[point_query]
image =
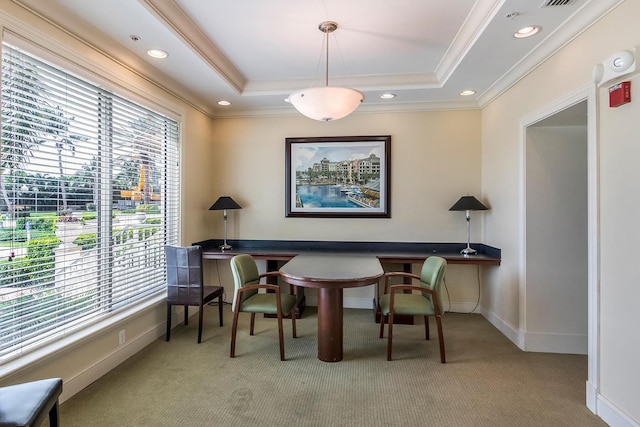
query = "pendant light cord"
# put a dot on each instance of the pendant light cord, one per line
(327, 27)
(326, 79)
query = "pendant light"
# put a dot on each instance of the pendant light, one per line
(326, 103)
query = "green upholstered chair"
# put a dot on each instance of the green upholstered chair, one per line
(424, 299)
(185, 284)
(248, 299)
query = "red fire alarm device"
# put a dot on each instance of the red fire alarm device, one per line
(619, 94)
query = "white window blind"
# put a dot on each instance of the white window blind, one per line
(89, 196)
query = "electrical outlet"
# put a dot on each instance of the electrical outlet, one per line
(121, 337)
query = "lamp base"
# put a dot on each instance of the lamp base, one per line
(225, 247)
(468, 251)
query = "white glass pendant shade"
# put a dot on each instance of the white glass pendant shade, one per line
(326, 103)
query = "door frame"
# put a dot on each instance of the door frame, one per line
(586, 93)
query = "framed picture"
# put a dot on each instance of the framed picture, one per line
(338, 177)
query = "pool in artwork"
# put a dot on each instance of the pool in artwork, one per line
(323, 196)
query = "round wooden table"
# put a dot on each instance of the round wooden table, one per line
(330, 274)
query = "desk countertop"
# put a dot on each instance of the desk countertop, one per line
(391, 252)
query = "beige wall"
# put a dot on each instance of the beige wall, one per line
(198, 177)
(564, 73)
(434, 160)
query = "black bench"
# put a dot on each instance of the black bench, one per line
(28, 404)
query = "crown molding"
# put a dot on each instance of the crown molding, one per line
(21, 25)
(477, 21)
(363, 109)
(570, 29)
(182, 26)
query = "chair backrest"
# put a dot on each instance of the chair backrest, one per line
(245, 272)
(432, 276)
(184, 274)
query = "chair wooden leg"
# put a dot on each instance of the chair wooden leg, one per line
(234, 328)
(382, 320)
(389, 343)
(200, 314)
(253, 322)
(168, 335)
(186, 315)
(440, 339)
(281, 335)
(293, 323)
(220, 309)
(426, 327)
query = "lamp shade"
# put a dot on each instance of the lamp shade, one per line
(224, 202)
(326, 103)
(468, 203)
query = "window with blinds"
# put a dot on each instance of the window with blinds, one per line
(89, 196)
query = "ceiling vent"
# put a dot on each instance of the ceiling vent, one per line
(551, 3)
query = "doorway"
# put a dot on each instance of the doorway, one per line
(556, 232)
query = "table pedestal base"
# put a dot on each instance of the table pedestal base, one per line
(330, 308)
(330, 274)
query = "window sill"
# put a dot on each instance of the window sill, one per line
(59, 347)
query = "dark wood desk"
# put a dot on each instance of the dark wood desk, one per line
(330, 274)
(405, 253)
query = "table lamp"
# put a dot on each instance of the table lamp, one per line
(222, 204)
(468, 204)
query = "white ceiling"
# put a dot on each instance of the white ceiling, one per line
(254, 53)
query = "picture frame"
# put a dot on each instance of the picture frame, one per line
(338, 177)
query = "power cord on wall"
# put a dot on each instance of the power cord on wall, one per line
(449, 297)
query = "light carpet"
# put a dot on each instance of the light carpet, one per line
(487, 380)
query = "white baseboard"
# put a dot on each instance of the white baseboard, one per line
(612, 415)
(556, 343)
(512, 334)
(599, 405)
(349, 302)
(108, 362)
(592, 397)
(367, 303)
(463, 307)
(540, 342)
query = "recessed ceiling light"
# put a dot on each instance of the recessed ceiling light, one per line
(223, 102)
(527, 31)
(388, 95)
(467, 92)
(157, 53)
